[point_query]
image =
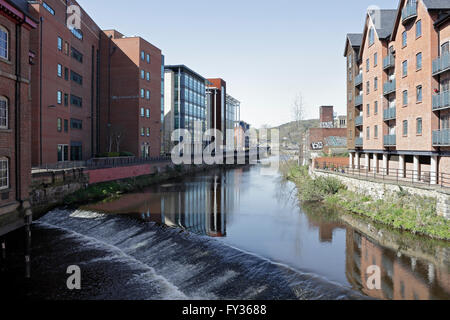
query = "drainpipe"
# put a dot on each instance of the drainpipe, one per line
(17, 115)
(40, 89)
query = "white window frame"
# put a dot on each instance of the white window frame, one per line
(2, 98)
(2, 28)
(7, 172)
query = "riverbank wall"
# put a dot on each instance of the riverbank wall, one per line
(379, 190)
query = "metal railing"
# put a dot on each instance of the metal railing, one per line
(358, 100)
(390, 140)
(441, 64)
(390, 113)
(408, 12)
(359, 121)
(441, 100)
(389, 87)
(399, 176)
(441, 137)
(389, 61)
(358, 79)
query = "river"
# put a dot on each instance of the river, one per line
(225, 234)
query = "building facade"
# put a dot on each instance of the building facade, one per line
(131, 86)
(15, 113)
(400, 101)
(184, 103)
(65, 81)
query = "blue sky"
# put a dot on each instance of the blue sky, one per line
(267, 51)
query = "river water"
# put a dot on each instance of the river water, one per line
(226, 234)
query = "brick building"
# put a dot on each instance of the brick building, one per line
(65, 84)
(131, 95)
(399, 105)
(216, 93)
(15, 113)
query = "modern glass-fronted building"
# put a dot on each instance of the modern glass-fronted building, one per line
(184, 102)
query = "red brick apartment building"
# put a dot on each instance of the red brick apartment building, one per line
(15, 112)
(130, 112)
(65, 84)
(398, 91)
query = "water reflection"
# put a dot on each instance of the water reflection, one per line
(261, 215)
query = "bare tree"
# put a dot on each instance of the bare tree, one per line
(298, 113)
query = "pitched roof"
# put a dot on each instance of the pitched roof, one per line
(355, 40)
(386, 24)
(437, 4)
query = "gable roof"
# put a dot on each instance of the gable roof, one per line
(384, 26)
(355, 40)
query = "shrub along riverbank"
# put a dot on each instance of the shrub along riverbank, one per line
(400, 210)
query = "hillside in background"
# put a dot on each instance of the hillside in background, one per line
(290, 131)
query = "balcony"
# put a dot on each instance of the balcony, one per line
(389, 87)
(441, 64)
(359, 142)
(359, 121)
(409, 12)
(358, 100)
(358, 79)
(389, 114)
(388, 62)
(390, 140)
(441, 138)
(441, 101)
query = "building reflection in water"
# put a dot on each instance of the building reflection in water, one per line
(402, 277)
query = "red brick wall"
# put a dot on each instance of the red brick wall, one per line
(337, 162)
(319, 135)
(110, 174)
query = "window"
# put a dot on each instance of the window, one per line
(142, 74)
(148, 132)
(404, 39)
(375, 84)
(63, 152)
(375, 133)
(368, 87)
(375, 107)
(4, 122)
(367, 65)
(419, 125)
(371, 36)
(419, 61)
(76, 124)
(147, 113)
(77, 33)
(48, 8)
(445, 48)
(4, 173)
(77, 55)
(349, 60)
(368, 110)
(405, 127)
(142, 55)
(350, 96)
(59, 97)
(405, 97)
(66, 125)
(375, 59)
(419, 94)
(76, 101)
(76, 77)
(147, 95)
(148, 58)
(142, 93)
(148, 76)
(405, 68)
(142, 132)
(66, 99)
(59, 72)
(66, 48)
(368, 133)
(76, 151)
(60, 44)
(142, 112)
(59, 124)
(66, 74)
(4, 43)
(418, 28)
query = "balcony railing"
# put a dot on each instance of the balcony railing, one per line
(359, 142)
(389, 87)
(390, 114)
(389, 62)
(441, 101)
(390, 140)
(358, 100)
(409, 12)
(359, 121)
(358, 79)
(441, 137)
(441, 64)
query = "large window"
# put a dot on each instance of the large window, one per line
(77, 55)
(418, 28)
(76, 101)
(77, 78)
(63, 152)
(4, 173)
(76, 124)
(4, 113)
(4, 43)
